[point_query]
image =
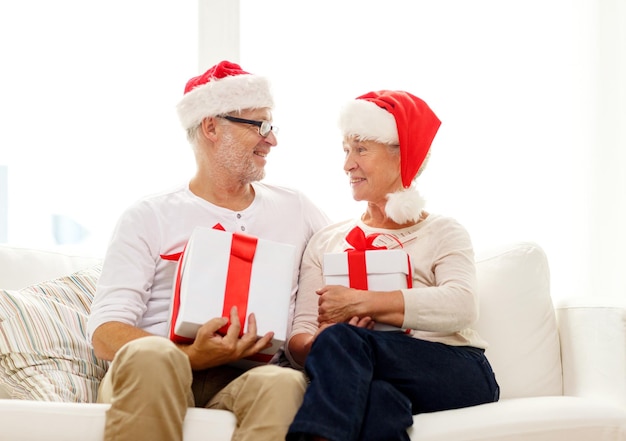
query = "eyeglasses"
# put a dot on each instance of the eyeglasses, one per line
(265, 127)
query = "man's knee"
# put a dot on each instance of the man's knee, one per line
(150, 352)
(148, 367)
(281, 386)
(276, 378)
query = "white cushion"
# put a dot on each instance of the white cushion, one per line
(518, 321)
(524, 419)
(85, 422)
(20, 267)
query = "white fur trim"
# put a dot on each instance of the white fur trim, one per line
(404, 205)
(367, 121)
(228, 94)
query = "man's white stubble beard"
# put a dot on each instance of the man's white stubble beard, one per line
(232, 158)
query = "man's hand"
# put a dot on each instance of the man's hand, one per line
(211, 349)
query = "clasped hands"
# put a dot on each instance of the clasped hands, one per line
(336, 304)
(339, 304)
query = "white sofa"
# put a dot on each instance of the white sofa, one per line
(562, 370)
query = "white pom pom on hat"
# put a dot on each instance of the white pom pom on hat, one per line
(395, 117)
(223, 88)
(404, 205)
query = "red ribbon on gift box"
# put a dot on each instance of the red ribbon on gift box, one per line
(242, 252)
(357, 267)
(176, 301)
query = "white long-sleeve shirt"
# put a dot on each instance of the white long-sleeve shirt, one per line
(442, 304)
(136, 283)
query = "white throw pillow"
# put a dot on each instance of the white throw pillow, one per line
(518, 320)
(44, 351)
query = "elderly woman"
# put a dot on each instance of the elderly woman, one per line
(366, 383)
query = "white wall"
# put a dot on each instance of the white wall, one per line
(606, 151)
(532, 141)
(531, 95)
(88, 93)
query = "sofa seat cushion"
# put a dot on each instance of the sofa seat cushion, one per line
(525, 419)
(85, 422)
(44, 351)
(519, 419)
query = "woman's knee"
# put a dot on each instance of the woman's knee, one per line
(340, 335)
(337, 332)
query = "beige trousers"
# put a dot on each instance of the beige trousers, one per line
(150, 385)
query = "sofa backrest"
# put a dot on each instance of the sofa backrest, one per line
(518, 320)
(21, 267)
(517, 317)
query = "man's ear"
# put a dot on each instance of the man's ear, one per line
(208, 128)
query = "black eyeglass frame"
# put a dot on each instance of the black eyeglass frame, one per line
(265, 127)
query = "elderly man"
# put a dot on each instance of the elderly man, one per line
(227, 114)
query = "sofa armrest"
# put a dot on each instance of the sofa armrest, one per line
(593, 348)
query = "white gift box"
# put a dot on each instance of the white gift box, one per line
(387, 270)
(201, 291)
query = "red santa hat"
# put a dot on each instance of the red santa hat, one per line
(222, 89)
(395, 117)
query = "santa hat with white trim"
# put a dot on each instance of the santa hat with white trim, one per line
(395, 117)
(222, 89)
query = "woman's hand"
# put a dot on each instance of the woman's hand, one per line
(365, 322)
(338, 304)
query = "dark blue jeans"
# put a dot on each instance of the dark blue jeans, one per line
(366, 385)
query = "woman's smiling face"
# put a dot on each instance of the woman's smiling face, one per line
(373, 169)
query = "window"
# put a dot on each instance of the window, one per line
(88, 93)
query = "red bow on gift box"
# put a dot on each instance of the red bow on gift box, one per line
(243, 248)
(357, 267)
